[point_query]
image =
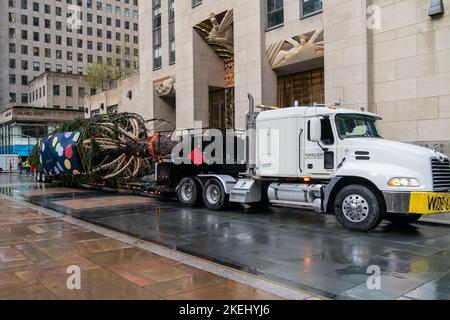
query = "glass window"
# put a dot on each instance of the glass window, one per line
(157, 52)
(275, 13)
(310, 7)
(56, 90)
(356, 126)
(306, 88)
(171, 31)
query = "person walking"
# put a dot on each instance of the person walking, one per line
(27, 167)
(10, 166)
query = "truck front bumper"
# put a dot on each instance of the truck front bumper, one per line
(417, 202)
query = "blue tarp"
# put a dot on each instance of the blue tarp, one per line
(58, 154)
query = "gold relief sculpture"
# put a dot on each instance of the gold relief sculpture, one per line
(217, 31)
(166, 87)
(229, 73)
(222, 34)
(297, 49)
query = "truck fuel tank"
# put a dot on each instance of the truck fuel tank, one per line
(296, 194)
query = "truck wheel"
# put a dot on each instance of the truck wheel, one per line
(403, 219)
(358, 208)
(188, 192)
(214, 196)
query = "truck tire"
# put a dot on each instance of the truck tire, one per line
(214, 195)
(403, 219)
(358, 208)
(188, 192)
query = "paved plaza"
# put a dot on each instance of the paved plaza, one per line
(299, 250)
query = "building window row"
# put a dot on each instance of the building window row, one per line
(58, 39)
(89, 30)
(172, 57)
(36, 6)
(58, 54)
(275, 11)
(36, 21)
(157, 37)
(157, 52)
(80, 44)
(37, 68)
(13, 79)
(68, 90)
(13, 98)
(37, 94)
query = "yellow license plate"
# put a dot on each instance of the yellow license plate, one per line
(429, 203)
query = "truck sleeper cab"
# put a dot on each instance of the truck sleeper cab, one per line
(329, 160)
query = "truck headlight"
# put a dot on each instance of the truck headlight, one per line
(404, 182)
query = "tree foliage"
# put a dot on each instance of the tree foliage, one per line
(101, 75)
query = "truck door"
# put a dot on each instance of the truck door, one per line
(320, 158)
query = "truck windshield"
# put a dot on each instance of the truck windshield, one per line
(356, 126)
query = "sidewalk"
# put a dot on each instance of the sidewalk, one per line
(36, 250)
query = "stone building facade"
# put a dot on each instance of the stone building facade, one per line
(58, 91)
(385, 56)
(62, 36)
(124, 96)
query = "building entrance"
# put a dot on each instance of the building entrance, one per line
(221, 108)
(305, 87)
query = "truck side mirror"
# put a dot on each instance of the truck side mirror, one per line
(315, 130)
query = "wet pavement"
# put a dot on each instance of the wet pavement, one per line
(299, 249)
(36, 250)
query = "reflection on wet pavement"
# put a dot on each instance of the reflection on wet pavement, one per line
(299, 249)
(36, 251)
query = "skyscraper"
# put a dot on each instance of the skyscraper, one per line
(62, 36)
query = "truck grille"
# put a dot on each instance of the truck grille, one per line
(441, 174)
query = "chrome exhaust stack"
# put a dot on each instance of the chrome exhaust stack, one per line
(251, 136)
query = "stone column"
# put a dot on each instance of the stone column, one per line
(4, 61)
(145, 60)
(348, 54)
(252, 71)
(197, 68)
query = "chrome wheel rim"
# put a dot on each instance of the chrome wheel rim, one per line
(355, 208)
(186, 192)
(213, 194)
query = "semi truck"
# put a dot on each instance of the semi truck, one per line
(322, 158)
(326, 159)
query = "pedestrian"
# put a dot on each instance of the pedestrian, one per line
(10, 166)
(27, 167)
(20, 168)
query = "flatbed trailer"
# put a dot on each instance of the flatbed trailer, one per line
(322, 158)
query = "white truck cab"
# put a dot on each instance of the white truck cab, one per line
(334, 160)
